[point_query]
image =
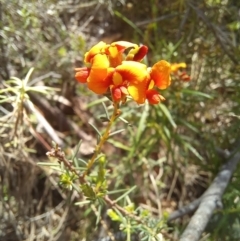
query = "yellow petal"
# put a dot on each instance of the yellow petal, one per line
(98, 87)
(115, 57)
(117, 78)
(96, 49)
(113, 51)
(160, 73)
(138, 92)
(100, 61)
(132, 71)
(151, 85)
(98, 80)
(175, 67)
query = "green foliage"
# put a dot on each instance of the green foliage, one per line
(66, 180)
(157, 158)
(88, 191)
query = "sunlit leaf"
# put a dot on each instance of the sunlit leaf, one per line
(166, 112)
(196, 93)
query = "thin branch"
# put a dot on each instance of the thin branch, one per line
(59, 154)
(211, 200)
(113, 204)
(138, 219)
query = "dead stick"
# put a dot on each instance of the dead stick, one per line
(191, 207)
(210, 200)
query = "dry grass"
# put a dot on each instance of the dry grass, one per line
(170, 166)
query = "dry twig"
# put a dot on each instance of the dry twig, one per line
(210, 200)
(191, 207)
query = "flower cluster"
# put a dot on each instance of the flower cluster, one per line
(176, 69)
(110, 68)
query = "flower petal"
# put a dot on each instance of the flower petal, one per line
(115, 57)
(117, 78)
(96, 49)
(132, 71)
(99, 78)
(138, 92)
(98, 87)
(82, 74)
(116, 93)
(100, 61)
(175, 67)
(115, 51)
(154, 97)
(124, 90)
(122, 45)
(160, 73)
(112, 51)
(151, 85)
(137, 54)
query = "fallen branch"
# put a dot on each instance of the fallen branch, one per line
(191, 207)
(41, 119)
(211, 200)
(53, 113)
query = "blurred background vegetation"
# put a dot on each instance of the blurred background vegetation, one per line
(168, 151)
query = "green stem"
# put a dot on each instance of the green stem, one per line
(103, 139)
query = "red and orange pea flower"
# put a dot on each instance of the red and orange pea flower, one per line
(109, 69)
(176, 69)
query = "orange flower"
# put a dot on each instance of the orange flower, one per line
(160, 74)
(108, 69)
(176, 66)
(116, 49)
(96, 49)
(99, 78)
(137, 78)
(176, 70)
